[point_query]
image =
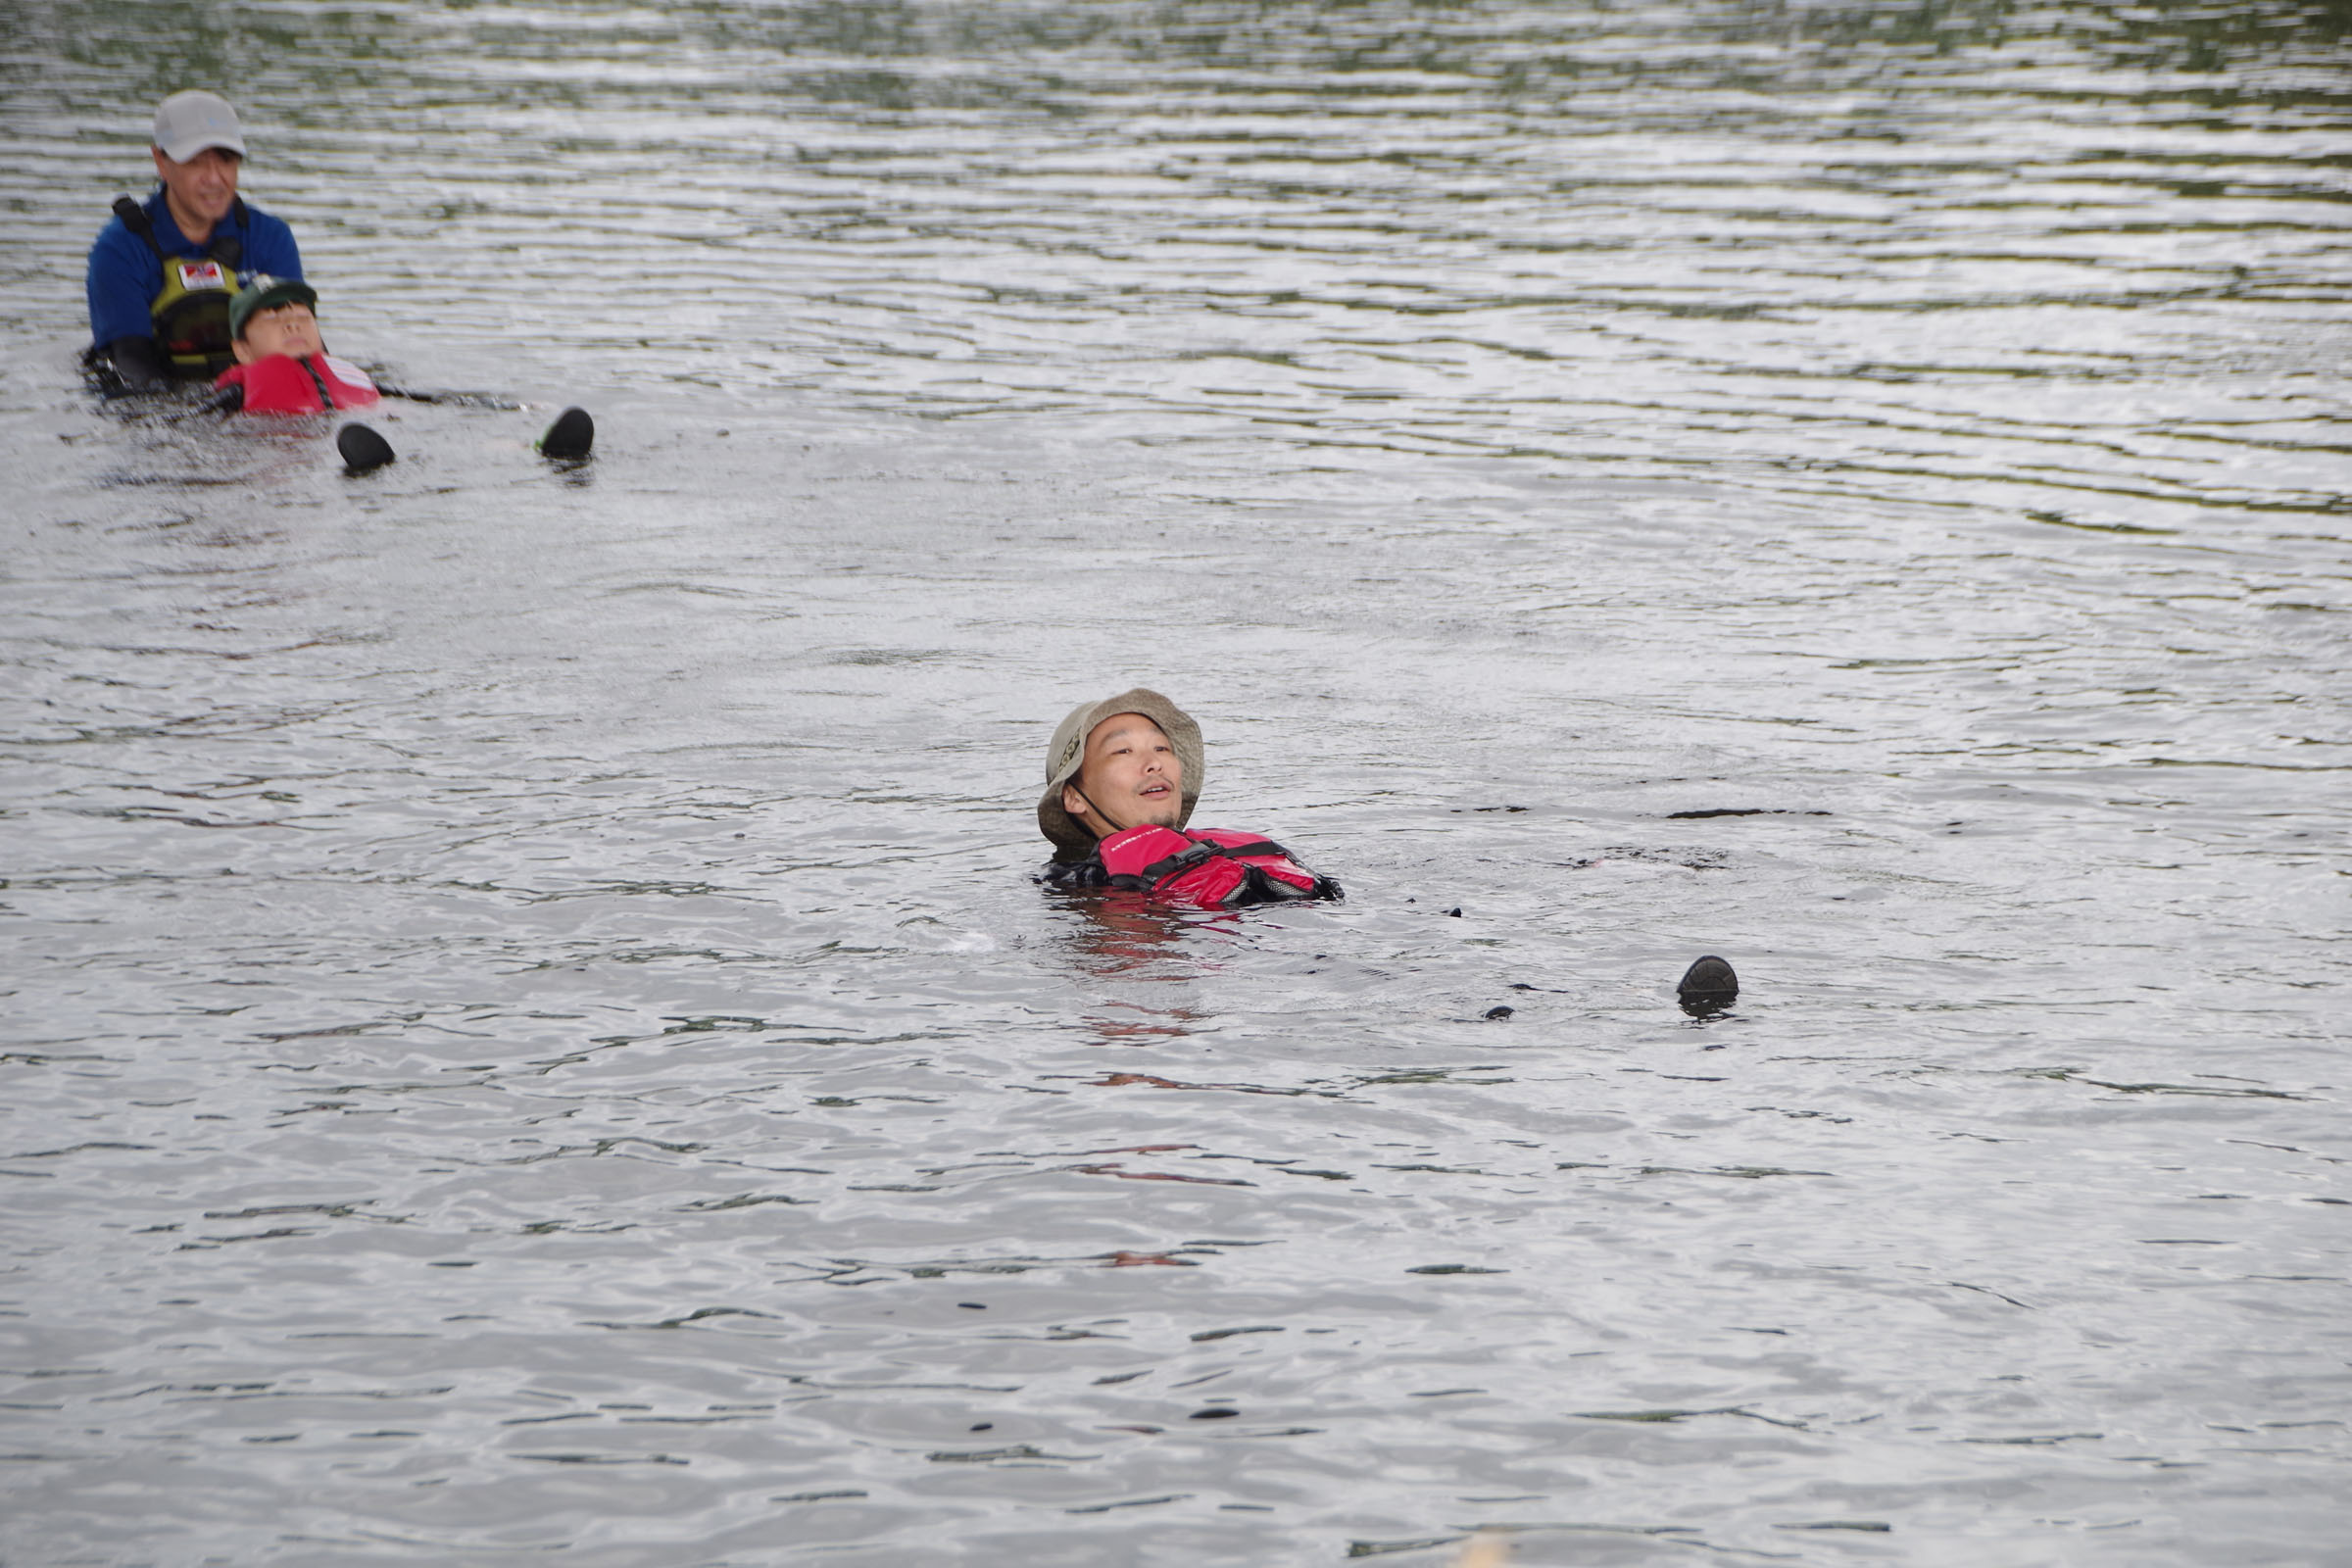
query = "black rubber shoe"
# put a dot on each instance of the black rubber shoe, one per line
(571, 438)
(1707, 986)
(362, 450)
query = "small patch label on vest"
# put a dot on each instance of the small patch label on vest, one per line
(194, 275)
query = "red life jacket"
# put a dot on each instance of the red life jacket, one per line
(1212, 868)
(284, 384)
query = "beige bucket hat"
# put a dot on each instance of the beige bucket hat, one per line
(1070, 838)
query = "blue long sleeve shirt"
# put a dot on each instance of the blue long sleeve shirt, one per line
(126, 276)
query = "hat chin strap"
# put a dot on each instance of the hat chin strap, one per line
(1094, 812)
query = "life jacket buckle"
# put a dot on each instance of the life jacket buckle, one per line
(1179, 863)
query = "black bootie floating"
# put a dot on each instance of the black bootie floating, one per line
(1707, 986)
(363, 451)
(571, 438)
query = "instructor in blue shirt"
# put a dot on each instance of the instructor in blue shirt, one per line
(163, 272)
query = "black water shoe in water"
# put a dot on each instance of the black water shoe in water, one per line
(571, 437)
(363, 451)
(1707, 986)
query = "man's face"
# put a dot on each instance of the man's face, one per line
(1131, 776)
(200, 190)
(288, 328)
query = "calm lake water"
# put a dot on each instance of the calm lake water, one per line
(529, 1034)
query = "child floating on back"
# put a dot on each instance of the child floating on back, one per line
(283, 367)
(283, 364)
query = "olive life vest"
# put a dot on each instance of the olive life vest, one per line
(1212, 868)
(191, 313)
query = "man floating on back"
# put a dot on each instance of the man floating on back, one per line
(1122, 775)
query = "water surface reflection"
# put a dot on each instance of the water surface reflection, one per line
(522, 980)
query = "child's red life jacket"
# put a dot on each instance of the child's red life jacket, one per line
(284, 384)
(1212, 868)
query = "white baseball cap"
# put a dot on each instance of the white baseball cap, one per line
(188, 122)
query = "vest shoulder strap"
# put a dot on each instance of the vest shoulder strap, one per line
(134, 217)
(226, 248)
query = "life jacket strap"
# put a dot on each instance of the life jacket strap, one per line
(226, 249)
(1203, 850)
(326, 399)
(134, 217)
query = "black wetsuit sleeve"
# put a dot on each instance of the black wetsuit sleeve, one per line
(1086, 873)
(135, 363)
(1265, 888)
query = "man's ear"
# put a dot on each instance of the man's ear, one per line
(159, 161)
(1072, 802)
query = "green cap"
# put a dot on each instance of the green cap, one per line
(263, 292)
